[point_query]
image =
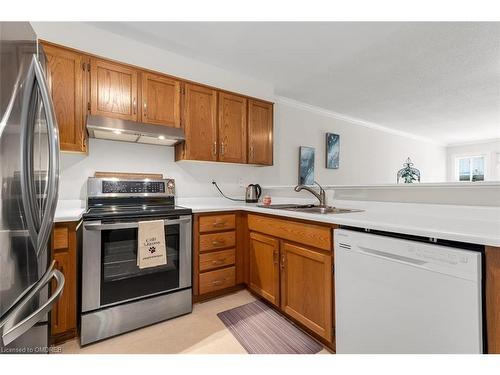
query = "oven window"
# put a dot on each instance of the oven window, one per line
(122, 280)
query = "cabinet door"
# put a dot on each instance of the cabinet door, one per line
(161, 100)
(200, 123)
(113, 90)
(260, 132)
(63, 315)
(264, 267)
(306, 288)
(232, 128)
(67, 78)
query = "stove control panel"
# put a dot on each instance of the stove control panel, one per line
(106, 187)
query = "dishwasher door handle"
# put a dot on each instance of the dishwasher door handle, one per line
(390, 256)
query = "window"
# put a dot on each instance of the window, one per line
(469, 168)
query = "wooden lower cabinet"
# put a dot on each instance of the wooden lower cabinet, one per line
(264, 272)
(63, 316)
(492, 255)
(217, 254)
(306, 287)
(296, 278)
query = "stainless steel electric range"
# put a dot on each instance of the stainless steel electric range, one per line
(118, 296)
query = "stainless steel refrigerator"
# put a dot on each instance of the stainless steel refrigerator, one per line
(29, 177)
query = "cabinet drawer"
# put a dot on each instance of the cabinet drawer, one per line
(217, 259)
(214, 223)
(215, 280)
(217, 240)
(309, 234)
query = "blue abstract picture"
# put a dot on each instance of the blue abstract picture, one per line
(306, 165)
(332, 150)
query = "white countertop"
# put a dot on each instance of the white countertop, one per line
(472, 224)
(69, 210)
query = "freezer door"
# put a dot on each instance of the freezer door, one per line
(29, 150)
(20, 268)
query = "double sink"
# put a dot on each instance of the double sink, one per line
(310, 208)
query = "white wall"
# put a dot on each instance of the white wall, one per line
(368, 156)
(193, 179)
(491, 151)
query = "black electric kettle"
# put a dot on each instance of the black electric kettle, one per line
(254, 191)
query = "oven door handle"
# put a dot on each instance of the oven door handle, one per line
(96, 225)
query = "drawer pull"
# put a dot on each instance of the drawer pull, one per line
(218, 243)
(220, 223)
(217, 282)
(218, 261)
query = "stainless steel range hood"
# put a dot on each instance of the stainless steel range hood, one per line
(101, 127)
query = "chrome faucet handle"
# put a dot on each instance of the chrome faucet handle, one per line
(320, 187)
(322, 193)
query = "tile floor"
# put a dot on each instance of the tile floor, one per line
(200, 332)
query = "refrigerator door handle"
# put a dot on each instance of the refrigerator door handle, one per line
(53, 172)
(10, 333)
(26, 176)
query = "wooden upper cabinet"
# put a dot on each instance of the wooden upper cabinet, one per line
(264, 271)
(260, 132)
(113, 90)
(306, 288)
(232, 128)
(67, 78)
(161, 98)
(200, 124)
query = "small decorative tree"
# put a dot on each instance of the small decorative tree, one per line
(408, 174)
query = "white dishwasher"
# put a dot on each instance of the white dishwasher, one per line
(402, 296)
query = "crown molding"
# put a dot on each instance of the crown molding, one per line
(353, 120)
(476, 142)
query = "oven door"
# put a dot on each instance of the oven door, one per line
(109, 263)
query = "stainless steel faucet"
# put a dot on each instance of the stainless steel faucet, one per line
(321, 195)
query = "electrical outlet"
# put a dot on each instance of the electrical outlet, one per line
(240, 182)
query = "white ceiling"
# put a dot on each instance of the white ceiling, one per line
(436, 80)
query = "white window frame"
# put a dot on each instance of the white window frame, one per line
(457, 159)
